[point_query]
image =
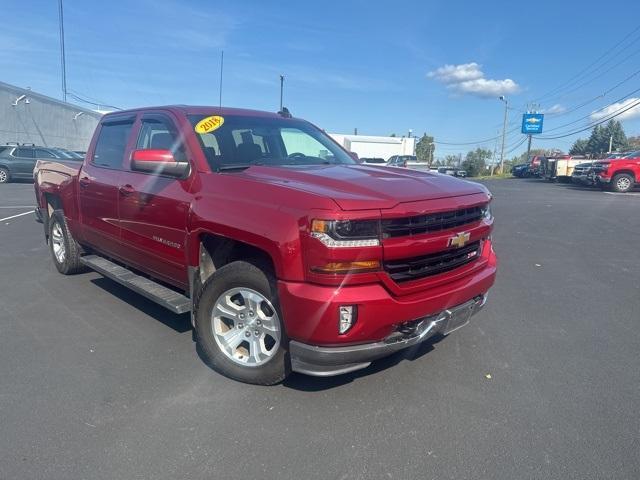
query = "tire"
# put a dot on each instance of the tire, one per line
(5, 175)
(65, 251)
(251, 350)
(622, 183)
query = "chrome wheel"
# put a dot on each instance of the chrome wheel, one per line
(246, 327)
(57, 242)
(623, 183)
(3, 175)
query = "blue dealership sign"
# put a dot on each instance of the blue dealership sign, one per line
(532, 123)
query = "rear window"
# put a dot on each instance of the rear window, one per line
(111, 144)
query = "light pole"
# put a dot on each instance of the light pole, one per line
(432, 147)
(504, 130)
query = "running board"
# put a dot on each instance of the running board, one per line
(169, 299)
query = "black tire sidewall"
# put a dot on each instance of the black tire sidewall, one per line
(240, 274)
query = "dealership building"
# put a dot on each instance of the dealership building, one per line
(30, 117)
(367, 146)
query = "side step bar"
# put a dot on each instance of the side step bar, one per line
(169, 299)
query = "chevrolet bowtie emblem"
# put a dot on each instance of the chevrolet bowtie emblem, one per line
(459, 240)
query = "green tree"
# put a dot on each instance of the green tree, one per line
(476, 161)
(579, 147)
(633, 143)
(615, 132)
(425, 149)
(598, 142)
(450, 160)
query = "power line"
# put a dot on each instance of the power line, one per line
(588, 67)
(603, 120)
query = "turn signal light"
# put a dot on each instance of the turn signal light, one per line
(348, 267)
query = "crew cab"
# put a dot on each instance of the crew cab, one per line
(288, 253)
(618, 174)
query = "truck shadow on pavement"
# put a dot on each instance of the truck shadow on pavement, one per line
(179, 323)
(308, 383)
(295, 381)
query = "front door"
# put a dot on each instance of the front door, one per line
(99, 180)
(154, 208)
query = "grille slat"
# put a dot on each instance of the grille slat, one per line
(432, 264)
(433, 222)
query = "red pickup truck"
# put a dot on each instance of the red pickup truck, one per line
(289, 254)
(619, 174)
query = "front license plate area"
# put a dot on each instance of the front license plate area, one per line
(458, 317)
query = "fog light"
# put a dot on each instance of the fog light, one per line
(346, 318)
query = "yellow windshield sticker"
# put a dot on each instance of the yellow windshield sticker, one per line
(209, 124)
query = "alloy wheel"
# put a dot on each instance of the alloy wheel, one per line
(246, 327)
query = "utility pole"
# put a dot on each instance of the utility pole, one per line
(504, 131)
(610, 143)
(63, 62)
(528, 149)
(281, 89)
(493, 157)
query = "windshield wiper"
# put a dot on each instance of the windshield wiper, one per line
(239, 166)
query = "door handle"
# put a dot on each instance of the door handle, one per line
(126, 189)
(84, 182)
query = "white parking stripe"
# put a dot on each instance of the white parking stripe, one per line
(628, 194)
(18, 206)
(16, 216)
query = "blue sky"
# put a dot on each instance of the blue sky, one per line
(382, 67)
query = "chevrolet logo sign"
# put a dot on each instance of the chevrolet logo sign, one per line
(533, 120)
(459, 240)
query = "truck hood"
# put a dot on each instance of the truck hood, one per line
(362, 187)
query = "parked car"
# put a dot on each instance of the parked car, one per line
(582, 174)
(559, 167)
(535, 165)
(401, 160)
(521, 170)
(618, 174)
(17, 161)
(373, 160)
(285, 261)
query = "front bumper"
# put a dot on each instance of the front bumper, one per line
(602, 180)
(329, 361)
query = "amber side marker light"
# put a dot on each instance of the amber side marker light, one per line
(348, 267)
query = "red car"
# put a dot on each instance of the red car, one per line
(618, 174)
(288, 253)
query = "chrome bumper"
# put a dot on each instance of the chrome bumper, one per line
(330, 361)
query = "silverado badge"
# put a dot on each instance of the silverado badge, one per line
(459, 240)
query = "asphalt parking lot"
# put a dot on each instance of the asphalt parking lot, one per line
(97, 382)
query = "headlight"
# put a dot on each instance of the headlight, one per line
(486, 212)
(347, 233)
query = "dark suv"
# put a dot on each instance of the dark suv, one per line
(18, 161)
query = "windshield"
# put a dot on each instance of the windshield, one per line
(243, 141)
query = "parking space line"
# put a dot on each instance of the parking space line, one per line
(628, 194)
(16, 216)
(18, 206)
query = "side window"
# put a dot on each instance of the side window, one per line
(40, 153)
(23, 152)
(296, 141)
(111, 144)
(160, 134)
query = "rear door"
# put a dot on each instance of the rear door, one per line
(99, 180)
(23, 162)
(154, 208)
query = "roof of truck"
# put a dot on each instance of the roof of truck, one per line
(195, 109)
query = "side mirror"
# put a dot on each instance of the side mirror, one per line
(354, 155)
(160, 162)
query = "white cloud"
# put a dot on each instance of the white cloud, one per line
(614, 108)
(469, 78)
(554, 109)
